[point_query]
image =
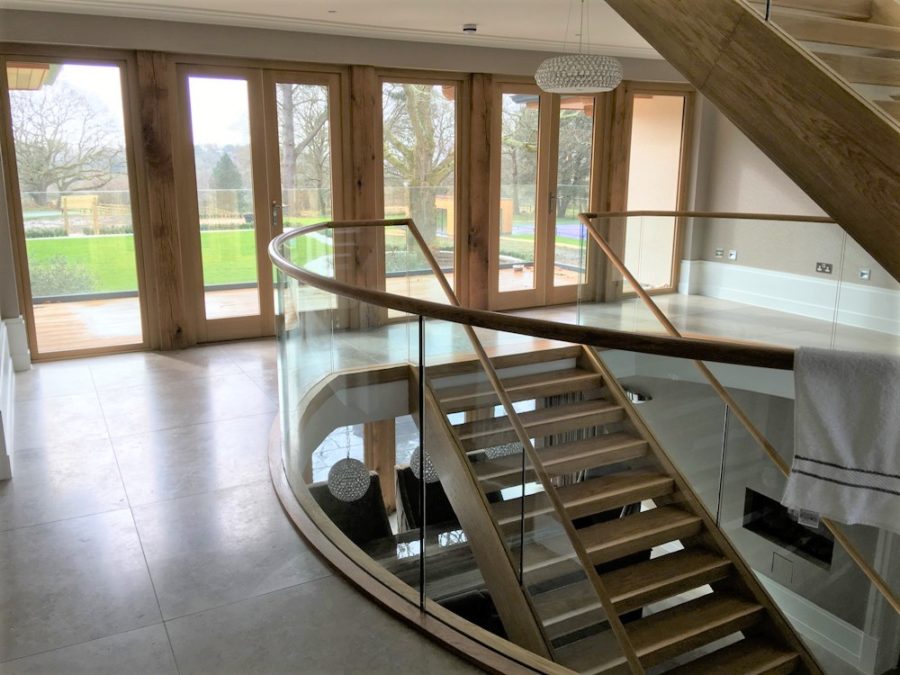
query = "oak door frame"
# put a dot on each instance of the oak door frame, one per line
(212, 330)
(619, 172)
(544, 292)
(126, 63)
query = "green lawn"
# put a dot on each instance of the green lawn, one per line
(229, 257)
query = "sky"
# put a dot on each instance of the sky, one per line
(219, 106)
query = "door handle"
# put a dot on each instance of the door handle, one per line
(277, 212)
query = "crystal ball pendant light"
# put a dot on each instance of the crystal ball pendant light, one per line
(579, 73)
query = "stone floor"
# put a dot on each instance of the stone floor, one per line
(141, 533)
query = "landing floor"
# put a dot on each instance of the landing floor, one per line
(141, 534)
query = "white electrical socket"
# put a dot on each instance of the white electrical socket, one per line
(732, 254)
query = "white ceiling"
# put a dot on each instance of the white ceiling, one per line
(520, 24)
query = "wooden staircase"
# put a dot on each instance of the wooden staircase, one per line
(827, 119)
(855, 41)
(656, 558)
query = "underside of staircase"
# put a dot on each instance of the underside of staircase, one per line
(804, 110)
(684, 599)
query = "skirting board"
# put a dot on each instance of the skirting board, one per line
(7, 402)
(859, 305)
(848, 643)
(18, 343)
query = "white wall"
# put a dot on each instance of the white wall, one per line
(193, 38)
(776, 261)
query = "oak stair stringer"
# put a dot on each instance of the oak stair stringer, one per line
(493, 557)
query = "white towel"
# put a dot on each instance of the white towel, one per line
(846, 437)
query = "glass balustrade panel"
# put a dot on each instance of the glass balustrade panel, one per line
(836, 610)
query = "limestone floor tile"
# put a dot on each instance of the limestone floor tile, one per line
(322, 626)
(145, 368)
(253, 356)
(184, 461)
(144, 651)
(267, 380)
(56, 420)
(72, 581)
(220, 547)
(61, 378)
(61, 481)
(151, 407)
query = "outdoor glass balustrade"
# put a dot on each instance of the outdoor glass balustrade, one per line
(383, 386)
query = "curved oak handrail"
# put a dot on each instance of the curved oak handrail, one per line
(779, 358)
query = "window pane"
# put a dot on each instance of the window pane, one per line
(220, 123)
(419, 122)
(69, 134)
(653, 182)
(518, 180)
(304, 147)
(573, 187)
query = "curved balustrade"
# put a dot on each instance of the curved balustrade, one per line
(553, 529)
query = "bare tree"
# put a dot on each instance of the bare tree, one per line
(304, 138)
(64, 141)
(419, 144)
(519, 144)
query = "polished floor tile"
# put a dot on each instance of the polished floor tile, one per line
(61, 481)
(145, 651)
(72, 581)
(130, 410)
(184, 461)
(57, 420)
(145, 368)
(321, 626)
(220, 547)
(252, 357)
(62, 378)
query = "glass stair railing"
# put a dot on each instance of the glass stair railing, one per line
(596, 533)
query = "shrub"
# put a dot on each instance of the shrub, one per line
(46, 231)
(59, 276)
(108, 229)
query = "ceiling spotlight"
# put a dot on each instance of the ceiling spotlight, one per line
(470, 28)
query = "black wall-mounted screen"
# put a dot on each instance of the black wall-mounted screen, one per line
(771, 520)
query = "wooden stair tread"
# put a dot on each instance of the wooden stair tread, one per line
(811, 27)
(857, 10)
(594, 654)
(567, 457)
(651, 580)
(510, 510)
(488, 433)
(891, 107)
(750, 656)
(568, 608)
(473, 365)
(689, 625)
(623, 536)
(590, 496)
(614, 490)
(863, 69)
(536, 385)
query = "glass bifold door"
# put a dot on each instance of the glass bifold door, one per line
(257, 147)
(253, 152)
(69, 159)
